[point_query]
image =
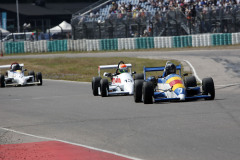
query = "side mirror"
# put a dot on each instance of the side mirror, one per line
(134, 72)
(106, 74)
(25, 70)
(185, 74)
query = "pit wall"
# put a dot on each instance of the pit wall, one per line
(201, 40)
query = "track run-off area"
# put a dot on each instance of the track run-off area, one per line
(62, 120)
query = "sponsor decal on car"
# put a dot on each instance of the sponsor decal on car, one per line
(116, 80)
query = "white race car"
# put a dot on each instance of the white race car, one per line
(122, 82)
(15, 76)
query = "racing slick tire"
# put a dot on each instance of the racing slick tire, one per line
(208, 88)
(39, 78)
(139, 76)
(190, 81)
(95, 85)
(104, 87)
(138, 90)
(2, 81)
(148, 92)
(31, 73)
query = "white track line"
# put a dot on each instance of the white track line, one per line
(66, 81)
(228, 85)
(72, 143)
(195, 74)
(194, 71)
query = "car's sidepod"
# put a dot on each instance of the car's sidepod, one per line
(127, 82)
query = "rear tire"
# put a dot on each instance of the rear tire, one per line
(148, 93)
(39, 78)
(104, 87)
(190, 81)
(139, 76)
(138, 90)
(2, 81)
(208, 88)
(95, 85)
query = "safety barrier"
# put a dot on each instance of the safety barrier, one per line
(108, 44)
(235, 38)
(144, 42)
(202, 40)
(221, 39)
(17, 47)
(58, 45)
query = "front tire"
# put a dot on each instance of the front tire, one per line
(31, 73)
(39, 78)
(208, 88)
(148, 92)
(138, 90)
(139, 76)
(95, 85)
(190, 81)
(104, 87)
(2, 81)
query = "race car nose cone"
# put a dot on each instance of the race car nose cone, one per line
(182, 97)
(180, 93)
(128, 87)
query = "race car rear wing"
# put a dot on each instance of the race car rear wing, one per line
(111, 67)
(153, 69)
(8, 66)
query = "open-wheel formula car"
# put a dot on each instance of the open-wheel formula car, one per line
(15, 76)
(170, 86)
(122, 81)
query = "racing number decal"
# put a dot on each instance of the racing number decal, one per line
(116, 80)
(128, 80)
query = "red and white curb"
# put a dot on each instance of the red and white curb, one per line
(56, 149)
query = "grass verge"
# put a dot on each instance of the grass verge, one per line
(80, 69)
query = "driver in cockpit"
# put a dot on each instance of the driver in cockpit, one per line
(123, 68)
(15, 67)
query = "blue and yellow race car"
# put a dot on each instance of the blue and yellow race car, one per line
(171, 86)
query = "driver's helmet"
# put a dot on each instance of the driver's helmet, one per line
(15, 67)
(170, 68)
(123, 68)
